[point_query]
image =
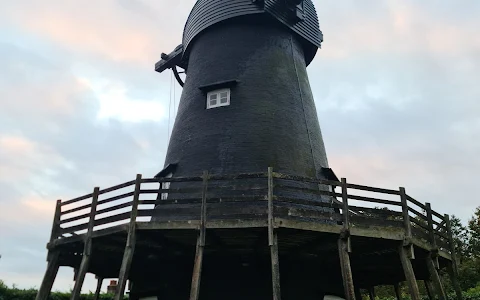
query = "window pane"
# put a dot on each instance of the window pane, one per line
(223, 95)
(213, 96)
(223, 100)
(213, 102)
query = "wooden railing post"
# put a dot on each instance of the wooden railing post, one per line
(453, 267)
(428, 209)
(272, 240)
(197, 267)
(87, 250)
(407, 243)
(270, 207)
(56, 222)
(431, 234)
(131, 241)
(344, 246)
(406, 249)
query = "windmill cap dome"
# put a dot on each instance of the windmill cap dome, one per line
(299, 16)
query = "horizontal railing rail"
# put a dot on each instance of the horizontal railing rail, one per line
(245, 196)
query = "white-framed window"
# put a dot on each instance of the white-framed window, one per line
(218, 98)
(165, 186)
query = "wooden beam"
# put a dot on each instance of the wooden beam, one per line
(87, 250)
(346, 214)
(82, 271)
(371, 292)
(398, 292)
(197, 271)
(275, 268)
(131, 241)
(49, 277)
(56, 221)
(197, 267)
(99, 288)
(347, 276)
(406, 216)
(429, 289)
(358, 293)
(406, 224)
(409, 273)
(344, 246)
(431, 233)
(435, 278)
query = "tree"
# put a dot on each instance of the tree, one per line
(460, 238)
(474, 232)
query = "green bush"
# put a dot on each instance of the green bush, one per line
(13, 293)
(473, 293)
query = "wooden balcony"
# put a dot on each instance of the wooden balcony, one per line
(368, 228)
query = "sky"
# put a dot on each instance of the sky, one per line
(396, 85)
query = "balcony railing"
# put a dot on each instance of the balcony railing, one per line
(259, 196)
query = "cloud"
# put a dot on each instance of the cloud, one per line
(397, 27)
(116, 30)
(396, 89)
(21, 158)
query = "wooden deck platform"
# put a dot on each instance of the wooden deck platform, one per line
(360, 236)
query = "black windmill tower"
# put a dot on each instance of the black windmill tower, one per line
(246, 206)
(247, 103)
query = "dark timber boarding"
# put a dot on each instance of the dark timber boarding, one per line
(371, 244)
(206, 13)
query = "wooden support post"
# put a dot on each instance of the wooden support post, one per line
(131, 241)
(197, 271)
(453, 267)
(273, 240)
(75, 274)
(431, 233)
(99, 288)
(346, 215)
(398, 293)
(435, 278)
(407, 244)
(344, 246)
(358, 293)
(49, 277)
(347, 276)
(197, 267)
(429, 289)
(371, 293)
(87, 250)
(409, 273)
(52, 257)
(275, 268)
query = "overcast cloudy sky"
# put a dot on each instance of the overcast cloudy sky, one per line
(397, 85)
